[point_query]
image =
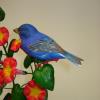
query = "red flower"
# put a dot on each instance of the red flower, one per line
(4, 34)
(9, 69)
(32, 91)
(15, 45)
(1, 78)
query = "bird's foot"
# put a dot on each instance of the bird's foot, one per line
(46, 62)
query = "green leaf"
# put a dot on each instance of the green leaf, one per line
(7, 97)
(2, 14)
(17, 93)
(0, 55)
(44, 76)
(27, 62)
(10, 53)
(1, 89)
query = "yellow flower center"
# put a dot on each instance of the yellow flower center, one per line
(35, 91)
(17, 42)
(7, 71)
(1, 35)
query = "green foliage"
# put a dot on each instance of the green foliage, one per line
(27, 62)
(1, 91)
(0, 55)
(10, 53)
(44, 76)
(2, 14)
(17, 93)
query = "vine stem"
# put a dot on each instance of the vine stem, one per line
(7, 88)
(29, 73)
(13, 82)
(5, 50)
(31, 68)
(6, 45)
(4, 54)
(23, 85)
(35, 65)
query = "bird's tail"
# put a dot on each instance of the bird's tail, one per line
(74, 59)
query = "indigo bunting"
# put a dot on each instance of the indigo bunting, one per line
(38, 45)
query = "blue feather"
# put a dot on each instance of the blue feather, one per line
(41, 46)
(72, 58)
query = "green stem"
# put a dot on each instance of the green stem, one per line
(35, 65)
(13, 83)
(29, 73)
(6, 45)
(4, 54)
(25, 73)
(5, 50)
(31, 68)
(7, 88)
(23, 84)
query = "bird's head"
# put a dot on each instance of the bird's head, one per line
(26, 30)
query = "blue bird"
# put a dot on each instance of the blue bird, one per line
(38, 45)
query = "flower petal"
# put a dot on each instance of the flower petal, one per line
(33, 91)
(4, 35)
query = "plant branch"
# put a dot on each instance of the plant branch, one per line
(23, 84)
(13, 82)
(35, 65)
(5, 50)
(6, 45)
(31, 68)
(4, 54)
(7, 88)
(28, 73)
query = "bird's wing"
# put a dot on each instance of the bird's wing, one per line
(45, 44)
(50, 47)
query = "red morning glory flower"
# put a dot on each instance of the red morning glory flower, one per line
(15, 45)
(4, 35)
(9, 69)
(1, 78)
(32, 91)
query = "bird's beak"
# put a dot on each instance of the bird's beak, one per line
(16, 30)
